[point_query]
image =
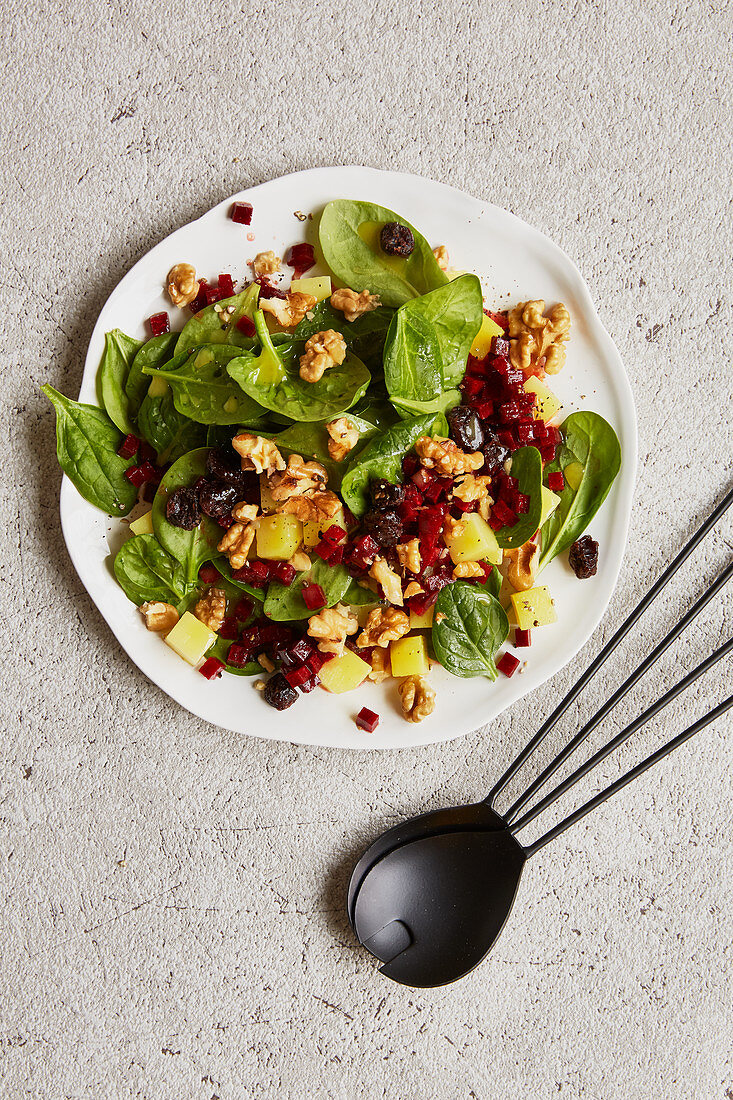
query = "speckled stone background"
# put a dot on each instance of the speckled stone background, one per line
(172, 920)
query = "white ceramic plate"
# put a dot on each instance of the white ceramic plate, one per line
(514, 262)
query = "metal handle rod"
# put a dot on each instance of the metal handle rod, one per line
(680, 739)
(606, 652)
(620, 692)
(624, 735)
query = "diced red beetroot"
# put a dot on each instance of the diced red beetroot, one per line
(422, 478)
(267, 290)
(508, 486)
(524, 433)
(500, 319)
(297, 676)
(284, 572)
(159, 323)
(495, 523)
(521, 504)
(556, 482)
(211, 668)
(225, 521)
(241, 212)
(228, 629)
(522, 638)
(337, 556)
(129, 446)
(438, 489)
(209, 574)
(506, 437)
(367, 720)
(315, 661)
(301, 257)
(213, 294)
(299, 650)
(547, 451)
(505, 514)
(150, 473)
(484, 409)
(136, 475)
(260, 569)
(508, 664)
(410, 464)
(313, 596)
(238, 655)
(245, 574)
(226, 285)
(500, 346)
(324, 550)
(363, 551)
(200, 300)
(334, 534)
(472, 386)
(464, 506)
(554, 435)
(501, 364)
(430, 522)
(309, 684)
(510, 412)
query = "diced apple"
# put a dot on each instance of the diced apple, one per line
(482, 344)
(278, 536)
(409, 656)
(548, 404)
(477, 542)
(550, 502)
(319, 286)
(313, 531)
(344, 673)
(535, 607)
(424, 621)
(573, 475)
(143, 525)
(189, 638)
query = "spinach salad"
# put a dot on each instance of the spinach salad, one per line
(346, 480)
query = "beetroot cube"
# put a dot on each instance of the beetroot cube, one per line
(213, 294)
(226, 285)
(500, 319)
(337, 556)
(524, 433)
(129, 446)
(309, 684)
(472, 387)
(159, 323)
(555, 482)
(238, 655)
(200, 300)
(315, 661)
(228, 629)
(367, 720)
(313, 596)
(260, 569)
(410, 464)
(301, 257)
(554, 435)
(246, 326)
(521, 504)
(241, 212)
(495, 523)
(507, 664)
(136, 475)
(484, 409)
(500, 346)
(212, 668)
(502, 512)
(243, 610)
(324, 550)
(284, 572)
(297, 676)
(269, 291)
(334, 534)
(422, 601)
(209, 574)
(522, 638)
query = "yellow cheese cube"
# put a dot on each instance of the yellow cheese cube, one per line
(278, 537)
(477, 542)
(313, 531)
(344, 673)
(482, 344)
(409, 656)
(189, 638)
(424, 621)
(547, 405)
(535, 607)
(143, 525)
(573, 475)
(319, 286)
(550, 502)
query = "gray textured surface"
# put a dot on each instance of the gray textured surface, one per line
(172, 896)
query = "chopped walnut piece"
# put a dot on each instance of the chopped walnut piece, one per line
(266, 263)
(445, 457)
(258, 453)
(298, 478)
(418, 698)
(413, 589)
(289, 311)
(211, 608)
(239, 537)
(522, 565)
(182, 284)
(441, 257)
(323, 350)
(538, 339)
(343, 438)
(379, 660)
(470, 487)
(439, 616)
(408, 555)
(331, 627)
(383, 625)
(160, 617)
(245, 513)
(466, 569)
(264, 662)
(391, 584)
(314, 508)
(300, 561)
(452, 527)
(353, 305)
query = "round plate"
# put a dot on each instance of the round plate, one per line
(514, 262)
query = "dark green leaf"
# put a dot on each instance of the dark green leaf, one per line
(365, 336)
(527, 469)
(284, 603)
(213, 325)
(472, 626)
(154, 353)
(203, 391)
(119, 352)
(145, 571)
(163, 427)
(190, 548)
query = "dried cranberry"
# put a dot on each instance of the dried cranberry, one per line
(495, 452)
(465, 428)
(584, 557)
(216, 499)
(396, 239)
(182, 509)
(223, 463)
(384, 494)
(278, 692)
(386, 528)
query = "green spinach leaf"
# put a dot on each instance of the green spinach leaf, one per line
(349, 238)
(203, 391)
(86, 445)
(119, 352)
(163, 427)
(285, 602)
(382, 457)
(213, 325)
(272, 379)
(365, 336)
(154, 353)
(527, 469)
(590, 442)
(190, 548)
(472, 626)
(145, 571)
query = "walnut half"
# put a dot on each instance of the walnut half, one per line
(417, 697)
(446, 457)
(331, 627)
(343, 437)
(538, 338)
(323, 350)
(160, 617)
(182, 284)
(289, 311)
(211, 608)
(258, 453)
(353, 305)
(383, 625)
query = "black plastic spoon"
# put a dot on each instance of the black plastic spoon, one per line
(430, 896)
